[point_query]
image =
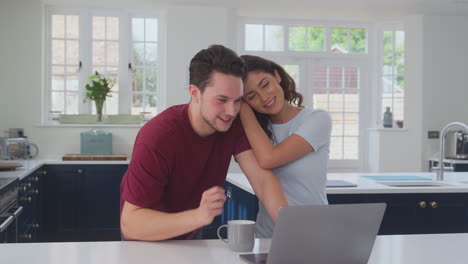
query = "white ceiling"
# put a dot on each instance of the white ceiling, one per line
(398, 7)
(410, 6)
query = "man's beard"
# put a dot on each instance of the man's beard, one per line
(209, 123)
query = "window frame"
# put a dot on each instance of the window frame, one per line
(85, 49)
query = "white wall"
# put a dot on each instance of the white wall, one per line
(20, 67)
(5, 46)
(190, 29)
(434, 69)
(445, 95)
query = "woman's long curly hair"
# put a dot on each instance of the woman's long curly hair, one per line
(259, 64)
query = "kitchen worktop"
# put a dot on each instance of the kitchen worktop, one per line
(401, 249)
(452, 161)
(457, 181)
(33, 164)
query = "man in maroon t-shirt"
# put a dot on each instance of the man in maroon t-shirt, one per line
(181, 157)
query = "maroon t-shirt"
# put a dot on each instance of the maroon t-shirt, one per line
(172, 166)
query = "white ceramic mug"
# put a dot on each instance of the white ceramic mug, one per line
(240, 235)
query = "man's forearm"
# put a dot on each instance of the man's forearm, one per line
(151, 225)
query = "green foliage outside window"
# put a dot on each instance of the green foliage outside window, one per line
(306, 38)
(297, 38)
(393, 60)
(388, 41)
(356, 37)
(339, 38)
(316, 38)
(151, 80)
(357, 40)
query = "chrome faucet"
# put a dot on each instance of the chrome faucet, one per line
(440, 168)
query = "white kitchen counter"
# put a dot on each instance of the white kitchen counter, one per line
(33, 164)
(404, 249)
(451, 161)
(457, 183)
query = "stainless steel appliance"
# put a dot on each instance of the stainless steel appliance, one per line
(440, 168)
(456, 145)
(9, 210)
(17, 148)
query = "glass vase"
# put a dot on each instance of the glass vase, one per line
(99, 106)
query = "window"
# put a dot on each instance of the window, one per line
(105, 54)
(327, 61)
(262, 37)
(144, 65)
(121, 45)
(336, 89)
(302, 38)
(270, 37)
(393, 69)
(348, 40)
(65, 64)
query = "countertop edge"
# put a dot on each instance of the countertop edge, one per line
(365, 186)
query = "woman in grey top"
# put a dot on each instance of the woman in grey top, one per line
(292, 140)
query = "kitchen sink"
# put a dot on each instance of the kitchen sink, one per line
(415, 184)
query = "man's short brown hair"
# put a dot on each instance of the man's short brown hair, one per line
(216, 58)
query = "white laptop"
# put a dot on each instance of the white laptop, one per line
(323, 234)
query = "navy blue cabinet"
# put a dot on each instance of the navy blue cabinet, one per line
(416, 213)
(240, 205)
(29, 197)
(457, 165)
(82, 202)
(406, 213)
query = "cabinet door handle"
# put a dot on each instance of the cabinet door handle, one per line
(422, 204)
(44, 172)
(433, 204)
(27, 199)
(18, 211)
(26, 236)
(229, 193)
(79, 171)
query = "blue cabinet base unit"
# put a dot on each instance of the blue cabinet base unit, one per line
(457, 165)
(30, 198)
(82, 203)
(416, 213)
(240, 205)
(406, 213)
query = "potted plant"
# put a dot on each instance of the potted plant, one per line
(98, 90)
